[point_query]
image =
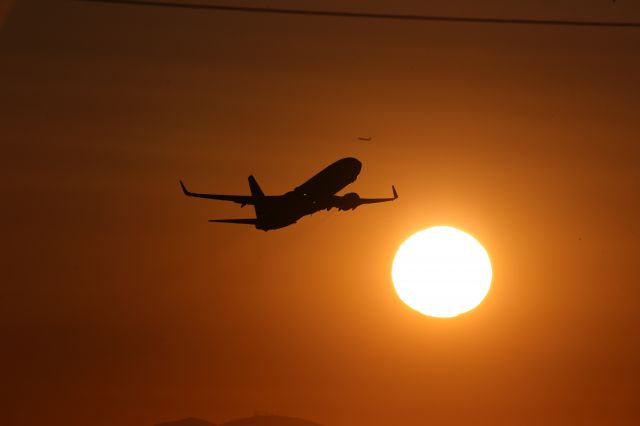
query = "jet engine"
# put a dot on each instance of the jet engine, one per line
(348, 201)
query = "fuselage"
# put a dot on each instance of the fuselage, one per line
(273, 212)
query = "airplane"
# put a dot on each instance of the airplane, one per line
(318, 193)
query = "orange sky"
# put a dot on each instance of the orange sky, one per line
(122, 306)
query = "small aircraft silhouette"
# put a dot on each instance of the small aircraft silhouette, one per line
(318, 193)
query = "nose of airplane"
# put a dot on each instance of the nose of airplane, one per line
(353, 164)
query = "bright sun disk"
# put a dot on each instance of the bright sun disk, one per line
(441, 272)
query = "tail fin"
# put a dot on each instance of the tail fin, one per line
(254, 187)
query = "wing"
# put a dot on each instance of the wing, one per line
(240, 199)
(379, 200)
(352, 200)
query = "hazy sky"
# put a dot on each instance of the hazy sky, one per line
(122, 306)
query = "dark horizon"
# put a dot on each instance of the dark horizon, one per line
(254, 420)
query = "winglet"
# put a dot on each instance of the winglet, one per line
(184, 189)
(395, 193)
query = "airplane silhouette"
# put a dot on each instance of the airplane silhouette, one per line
(318, 193)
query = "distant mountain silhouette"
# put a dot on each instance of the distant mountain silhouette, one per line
(191, 421)
(247, 421)
(270, 421)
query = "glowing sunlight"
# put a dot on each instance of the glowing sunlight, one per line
(441, 272)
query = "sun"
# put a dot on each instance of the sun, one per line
(441, 272)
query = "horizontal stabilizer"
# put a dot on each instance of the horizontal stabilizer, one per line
(240, 221)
